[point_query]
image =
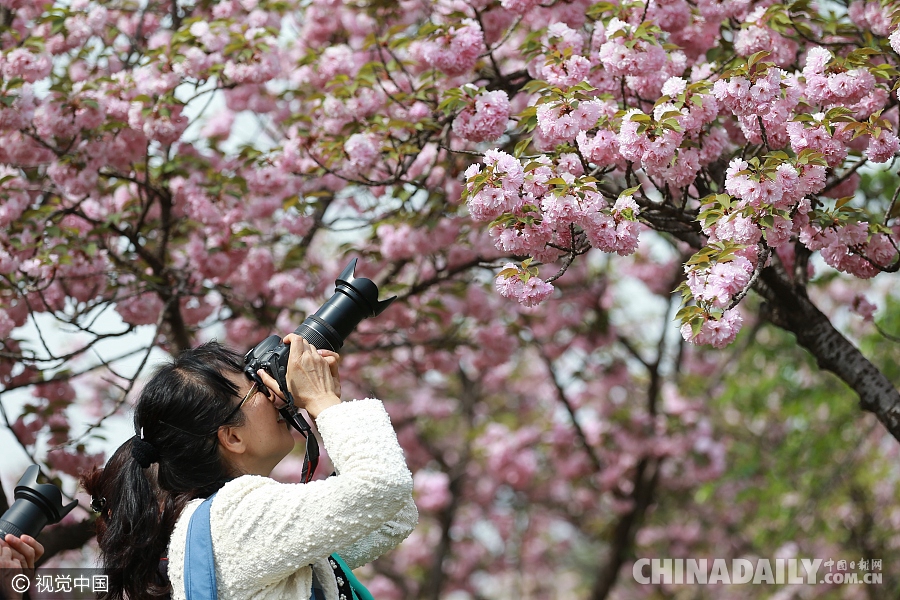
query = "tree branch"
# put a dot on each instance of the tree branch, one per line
(789, 307)
(65, 536)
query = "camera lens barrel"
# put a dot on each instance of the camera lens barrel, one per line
(354, 299)
(36, 505)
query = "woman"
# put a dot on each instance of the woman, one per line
(204, 428)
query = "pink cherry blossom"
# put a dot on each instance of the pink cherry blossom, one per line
(717, 333)
(486, 120)
(26, 65)
(529, 293)
(883, 147)
(362, 151)
(74, 463)
(431, 489)
(863, 307)
(620, 59)
(140, 309)
(455, 51)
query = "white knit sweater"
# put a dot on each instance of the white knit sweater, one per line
(268, 537)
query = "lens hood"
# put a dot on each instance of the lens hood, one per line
(35, 506)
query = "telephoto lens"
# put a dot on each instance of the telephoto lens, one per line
(36, 505)
(354, 299)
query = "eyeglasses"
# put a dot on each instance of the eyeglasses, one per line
(253, 389)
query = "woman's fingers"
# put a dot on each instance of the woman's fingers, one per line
(10, 566)
(26, 549)
(334, 362)
(6, 558)
(12, 549)
(332, 358)
(38, 547)
(270, 383)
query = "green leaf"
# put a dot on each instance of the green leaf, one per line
(842, 201)
(534, 86)
(521, 146)
(687, 313)
(755, 58)
(696, 326)
(698, 260)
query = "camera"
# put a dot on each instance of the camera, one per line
(354, 299)
(36, 505)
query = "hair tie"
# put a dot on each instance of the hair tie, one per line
(98, 504)
(143, 451)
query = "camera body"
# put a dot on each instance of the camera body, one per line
(36, 505)
(270, 355)
(354, 299)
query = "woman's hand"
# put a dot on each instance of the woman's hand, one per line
(17, 557)
(26, 550)
(312, 376)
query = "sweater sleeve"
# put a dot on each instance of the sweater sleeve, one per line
(263, 531)
(385, 538)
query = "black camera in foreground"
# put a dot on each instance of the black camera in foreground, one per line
(354, 299)
(36, 505)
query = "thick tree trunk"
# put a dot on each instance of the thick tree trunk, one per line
(789, 307)
(622, 542)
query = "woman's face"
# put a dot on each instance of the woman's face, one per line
(266, 436)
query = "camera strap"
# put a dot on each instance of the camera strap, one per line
(346, 579)
(311, 456)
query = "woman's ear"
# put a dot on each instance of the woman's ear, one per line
(231, 440)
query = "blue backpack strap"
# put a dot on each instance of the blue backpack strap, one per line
(199, 566)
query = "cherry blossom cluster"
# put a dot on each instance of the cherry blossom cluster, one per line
(485, 119)
(619, 57)
(719, 283)
(561, 61)
(715, 332)
(455, 49)
(851, 247)
(520, 284)
(539, 212)
(872, 16)
(830, 84)
(757, 36)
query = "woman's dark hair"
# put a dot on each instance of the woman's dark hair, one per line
(179, 412)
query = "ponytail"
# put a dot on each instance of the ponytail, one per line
(175, 458)
(134, 518)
